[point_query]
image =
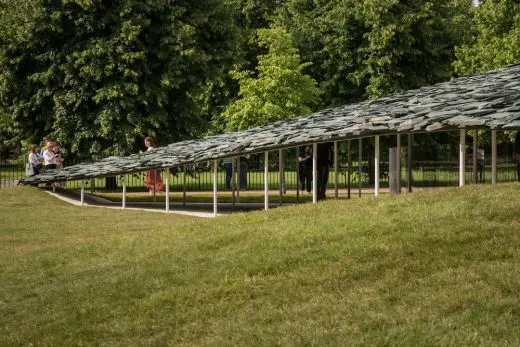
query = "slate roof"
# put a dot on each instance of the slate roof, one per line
(487, 100)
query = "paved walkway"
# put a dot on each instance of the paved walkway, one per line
(93, 201)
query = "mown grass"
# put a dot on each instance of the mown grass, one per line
(429, 268)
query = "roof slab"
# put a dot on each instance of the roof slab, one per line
(487, 100)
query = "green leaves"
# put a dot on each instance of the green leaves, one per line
(496, 40)
(102, 75)
(279, 89)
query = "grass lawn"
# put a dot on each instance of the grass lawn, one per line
(429, 268)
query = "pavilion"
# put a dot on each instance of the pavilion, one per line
(482, 101)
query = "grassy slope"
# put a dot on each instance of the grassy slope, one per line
(437, 267)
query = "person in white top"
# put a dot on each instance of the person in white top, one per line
(33, 160)
(50, 158)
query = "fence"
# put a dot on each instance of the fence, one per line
(199, 177)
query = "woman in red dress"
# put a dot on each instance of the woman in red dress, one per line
(153, 177)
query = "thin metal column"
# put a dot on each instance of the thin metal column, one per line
(297, 176)
(376, 167)
(474, 169)
(348, 169)
(280, 168)
(398, 163)
(82, 192)
(123, 205)
(314, 173)
(493, 157)
(215, 184)
(266, 180)
(233, 187)
(184, 187)
(238, 181)
(409, 163)
(167, 191)
(462, 157)
(336, 169)
(360, 163)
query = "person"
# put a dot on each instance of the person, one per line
(33, 160)
(59, 161)
(46, 142)
(305, 168)
(324, 162)
(227, 163)
(516, 155)
(50, 159)
(243, 168)
(153, 181)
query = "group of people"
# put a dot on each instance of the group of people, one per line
(323, 163)
(48, 158)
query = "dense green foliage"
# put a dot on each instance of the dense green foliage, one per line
(496, 40)
(98, 75)
(279, 90)
(371, 48)
(431, 268)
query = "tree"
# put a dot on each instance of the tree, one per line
(98, 75)
(280, 89)
(371, 48)
(496, 41)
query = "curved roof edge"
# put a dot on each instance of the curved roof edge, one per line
(485, 100)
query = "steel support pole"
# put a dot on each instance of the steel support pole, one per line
(82, 192)
(360, 163)
(376, 167)
(233, 187)
(167, 190)
(280, 169)
(215, 184)
(123, 203)
(462, 157)
(348, 169)
(398, 164)
(238, 182)
(184, 187)
(297, 176)
(266, 180)
(474, 169)
(314, 173)
(493, 157)
(336, 169)
(409, 163)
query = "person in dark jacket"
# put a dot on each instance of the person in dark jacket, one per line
(324, 162)
(305, 168)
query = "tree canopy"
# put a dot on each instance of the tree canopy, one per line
(279, 90)
(99, 75)
(496, 38)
